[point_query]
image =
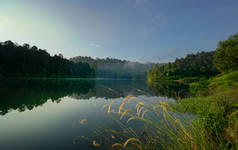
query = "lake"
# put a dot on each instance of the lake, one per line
(38, 114)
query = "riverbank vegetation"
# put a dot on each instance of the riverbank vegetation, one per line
(216, 110)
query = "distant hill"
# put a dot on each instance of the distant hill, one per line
(116, 68)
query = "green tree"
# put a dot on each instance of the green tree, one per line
(226, 56)
(27, 61)
(193, 65)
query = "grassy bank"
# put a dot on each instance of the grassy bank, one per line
(216, 106)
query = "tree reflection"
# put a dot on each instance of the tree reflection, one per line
(169, 89)
(27, 94)
(22, 94)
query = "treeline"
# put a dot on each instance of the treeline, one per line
(27, 61)
(193, 65)
(203, 64)
(116, 68)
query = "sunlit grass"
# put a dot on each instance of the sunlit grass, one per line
(161, 128)
(193, 105)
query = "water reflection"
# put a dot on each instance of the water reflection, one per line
(57, 126)
(26, 94)
(175, 90)
(29, 93)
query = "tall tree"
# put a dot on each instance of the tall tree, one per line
(226, 56)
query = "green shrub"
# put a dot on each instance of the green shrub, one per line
(199, 88)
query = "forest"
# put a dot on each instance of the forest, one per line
(200, 65)
(193, 65)
(27, 61)
(116, 68)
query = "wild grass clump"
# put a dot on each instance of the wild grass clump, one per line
(220, 120)
(158, 128)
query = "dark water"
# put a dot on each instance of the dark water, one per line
(44, 114)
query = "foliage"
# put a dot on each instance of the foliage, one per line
(226, 56)
(193, 65)
(26, 61)
(217, 119)
(223, 81)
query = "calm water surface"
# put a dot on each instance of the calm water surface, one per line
(44, 114)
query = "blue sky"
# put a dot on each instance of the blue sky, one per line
(137, 30)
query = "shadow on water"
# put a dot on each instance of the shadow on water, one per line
(27, 94)
(175, 90)
(22, 94)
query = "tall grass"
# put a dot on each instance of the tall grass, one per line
(162, 129)
(217, 112)
(215, 128)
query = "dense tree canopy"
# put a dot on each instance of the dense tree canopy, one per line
(26, 61)
(193, 65)
(226, 56)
